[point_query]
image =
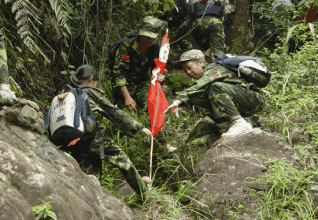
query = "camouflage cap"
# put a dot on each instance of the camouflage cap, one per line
(151, 27)
(191, 55)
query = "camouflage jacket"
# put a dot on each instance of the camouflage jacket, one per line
(104, 108)
(210, 74)
(130, 67)
(4, 73)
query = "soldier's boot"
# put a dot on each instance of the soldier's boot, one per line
(6, 92)
(240, 126)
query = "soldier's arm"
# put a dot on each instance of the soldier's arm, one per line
(121, 65)
(209, 77)
(104, 107)
(121, 68)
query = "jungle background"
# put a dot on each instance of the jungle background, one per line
(47, 40)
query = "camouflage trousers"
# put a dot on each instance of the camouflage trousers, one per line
(207, 33)
(4, 73)
(138, 93)
(224, 100)
(90, 162)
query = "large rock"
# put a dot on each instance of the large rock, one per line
(224, 168)
(32, 168)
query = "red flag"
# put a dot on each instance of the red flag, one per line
(157, 102)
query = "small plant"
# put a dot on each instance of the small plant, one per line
(286, 193)
(43, 210)
(14, 183)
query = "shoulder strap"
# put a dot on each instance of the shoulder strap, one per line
(131, 35)
(47, 119)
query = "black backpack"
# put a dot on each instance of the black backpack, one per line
(213, 8)
(259, 74)
(70, 117)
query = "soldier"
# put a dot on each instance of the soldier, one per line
(219, 91)
(134, 61)
(88, 156)
(202, 27)
(5, 90)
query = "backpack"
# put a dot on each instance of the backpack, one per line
(246, 67)
(211, 7)
(114, 47)
(70, 117)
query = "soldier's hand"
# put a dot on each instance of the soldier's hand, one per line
(160, 77)
(173, 108)
(147, 132)
(130, 104)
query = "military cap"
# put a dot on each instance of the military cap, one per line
(191, 55)
(151, 27)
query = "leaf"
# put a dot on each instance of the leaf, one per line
(166, 7)
(173, 4)
(290, 31)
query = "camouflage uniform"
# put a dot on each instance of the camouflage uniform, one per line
(221, 92)
(207, 33)
(89, 156)
(4, 73)
(5, 91)
(133, 70)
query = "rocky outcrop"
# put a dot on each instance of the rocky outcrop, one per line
(225, 167)
(32, 168)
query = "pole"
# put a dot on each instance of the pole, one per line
(151, 150)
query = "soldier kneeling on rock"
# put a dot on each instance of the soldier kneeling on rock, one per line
(219, 91)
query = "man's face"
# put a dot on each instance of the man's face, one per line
(147, 41)
(193, 69)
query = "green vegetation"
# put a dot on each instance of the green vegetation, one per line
(43, 210)
(45, 50)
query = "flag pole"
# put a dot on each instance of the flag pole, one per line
(151, 150)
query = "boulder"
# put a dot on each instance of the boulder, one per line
(33, 169)
(224, 168)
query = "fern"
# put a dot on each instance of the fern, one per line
(62, 9)
(25, 16)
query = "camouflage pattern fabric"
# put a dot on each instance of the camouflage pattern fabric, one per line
(131, 69)
(208, 33)
(104, 108)
(88, 156)
(192, 55)
(139, 94)
(223, 94)
(4, 73)
(90, 162)
(151, 27)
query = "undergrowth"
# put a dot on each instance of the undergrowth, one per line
(86, 36)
